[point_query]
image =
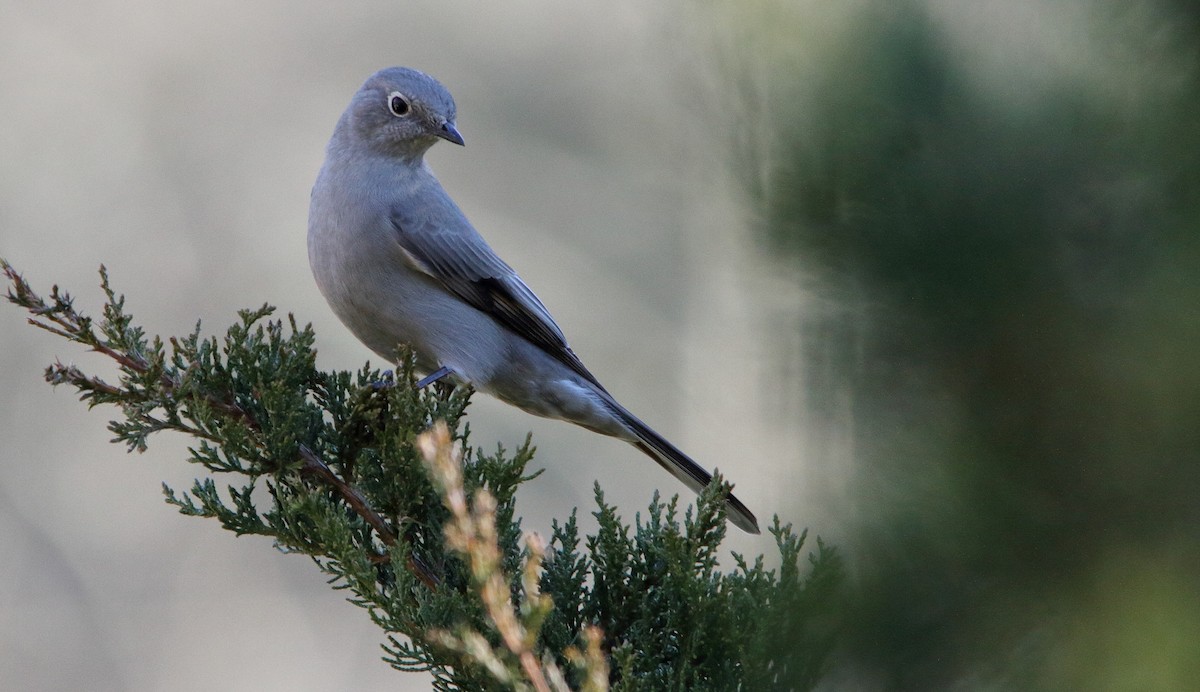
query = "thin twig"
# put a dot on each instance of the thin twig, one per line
(534, 671)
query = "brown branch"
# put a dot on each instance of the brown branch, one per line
(315, 466)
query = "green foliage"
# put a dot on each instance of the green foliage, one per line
(997, 247)
(675, 622)
(328, 465)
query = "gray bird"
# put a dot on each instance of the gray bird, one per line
(399, 262)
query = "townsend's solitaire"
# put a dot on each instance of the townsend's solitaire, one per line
(399, 263)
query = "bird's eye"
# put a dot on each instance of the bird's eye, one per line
(398, 104)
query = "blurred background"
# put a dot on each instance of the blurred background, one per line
(920, 275)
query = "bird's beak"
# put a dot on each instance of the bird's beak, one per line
(449, 133)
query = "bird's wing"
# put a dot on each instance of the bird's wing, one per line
(451, 252)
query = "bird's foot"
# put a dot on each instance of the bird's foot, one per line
(434, 377)
(387, 379)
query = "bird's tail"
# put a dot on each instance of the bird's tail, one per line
(682, 467)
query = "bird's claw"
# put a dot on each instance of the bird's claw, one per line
(434, 377)
(386, 380)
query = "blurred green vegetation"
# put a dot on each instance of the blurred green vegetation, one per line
(1005, 212)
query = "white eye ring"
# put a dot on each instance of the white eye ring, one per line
(398, 104)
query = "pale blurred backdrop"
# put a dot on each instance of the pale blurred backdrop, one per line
(920, 275)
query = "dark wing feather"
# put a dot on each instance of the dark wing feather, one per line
(469, 269)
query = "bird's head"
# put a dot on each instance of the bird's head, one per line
(402, 111)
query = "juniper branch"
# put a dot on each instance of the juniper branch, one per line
(642, 607)
(61, 318)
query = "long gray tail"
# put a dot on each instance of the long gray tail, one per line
(682, 467)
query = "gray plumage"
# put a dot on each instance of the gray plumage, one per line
(399, 262)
